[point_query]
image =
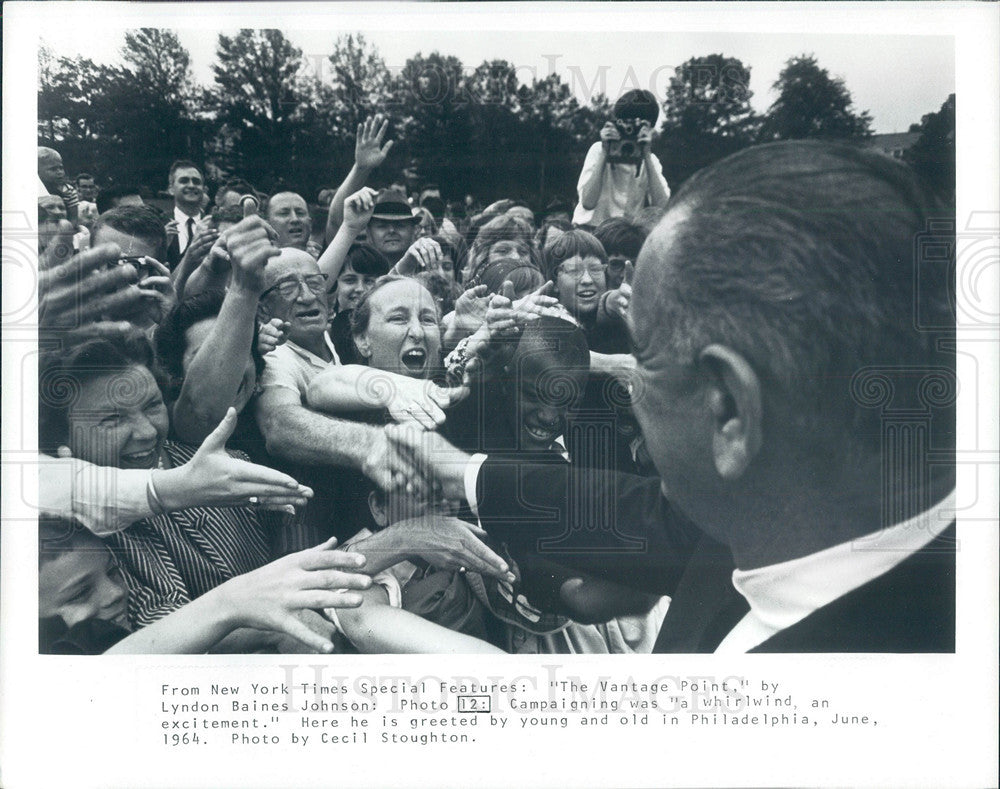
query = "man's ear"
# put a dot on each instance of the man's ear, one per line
(363, 345)
(736, 404)
(377, 510)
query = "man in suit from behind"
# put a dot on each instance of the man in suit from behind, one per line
(795, 387)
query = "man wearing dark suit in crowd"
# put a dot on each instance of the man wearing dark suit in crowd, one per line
(187, 186)
(795, 387)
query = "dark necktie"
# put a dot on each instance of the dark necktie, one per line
(190, 229)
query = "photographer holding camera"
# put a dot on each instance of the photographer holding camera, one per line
(620, 174)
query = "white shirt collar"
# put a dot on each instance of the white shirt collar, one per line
(782, 594)
(312, 358)
(182, 218)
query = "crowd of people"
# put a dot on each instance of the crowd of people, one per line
(628, 425)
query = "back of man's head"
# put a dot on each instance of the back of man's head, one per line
(138, 221)
(115, 195)
(806, 259)
(620, 236)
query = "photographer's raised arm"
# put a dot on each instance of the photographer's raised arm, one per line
(657, 191)
(592, 176)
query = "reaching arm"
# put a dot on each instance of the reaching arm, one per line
(248, 609)
(356, 387)
(377, 627)
(293, 432)
(443, 541)
(624, 531)
(357, 211)
(214, 377)
(216, 372)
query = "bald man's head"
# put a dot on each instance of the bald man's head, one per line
(288, 214)
(296, 291)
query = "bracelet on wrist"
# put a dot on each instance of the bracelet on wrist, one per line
(152, 497)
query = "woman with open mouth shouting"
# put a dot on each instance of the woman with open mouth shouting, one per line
(397, 331)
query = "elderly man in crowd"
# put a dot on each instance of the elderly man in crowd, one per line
(328, 452)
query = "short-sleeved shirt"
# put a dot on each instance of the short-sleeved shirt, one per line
(623, 192)
(291, 366)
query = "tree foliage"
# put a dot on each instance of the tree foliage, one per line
(279, 119)
(707, 115)
(128, 122)
(933, 154)
(813, 104)
(259, 97)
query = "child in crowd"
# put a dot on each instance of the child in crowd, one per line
(83, 599)
(363, 265)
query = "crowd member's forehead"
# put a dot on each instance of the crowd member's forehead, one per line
(52, 203)
(290, 261)
(283, 199)
(405, 292)
(186, 172)
(129, 243)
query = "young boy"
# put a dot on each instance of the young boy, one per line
(83, 600)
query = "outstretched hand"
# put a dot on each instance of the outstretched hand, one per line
(448, 543)
(440, 466)
(273, 596)
(369, 152)
(424, 254)
(213, 478)
(77, 290)
(505, 316)
(471, 307)
(422, 402)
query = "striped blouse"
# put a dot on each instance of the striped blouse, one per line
(168, 560)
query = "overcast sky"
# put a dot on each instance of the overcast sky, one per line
(897, 78)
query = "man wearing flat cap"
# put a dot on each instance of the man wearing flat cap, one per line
(393, 225)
